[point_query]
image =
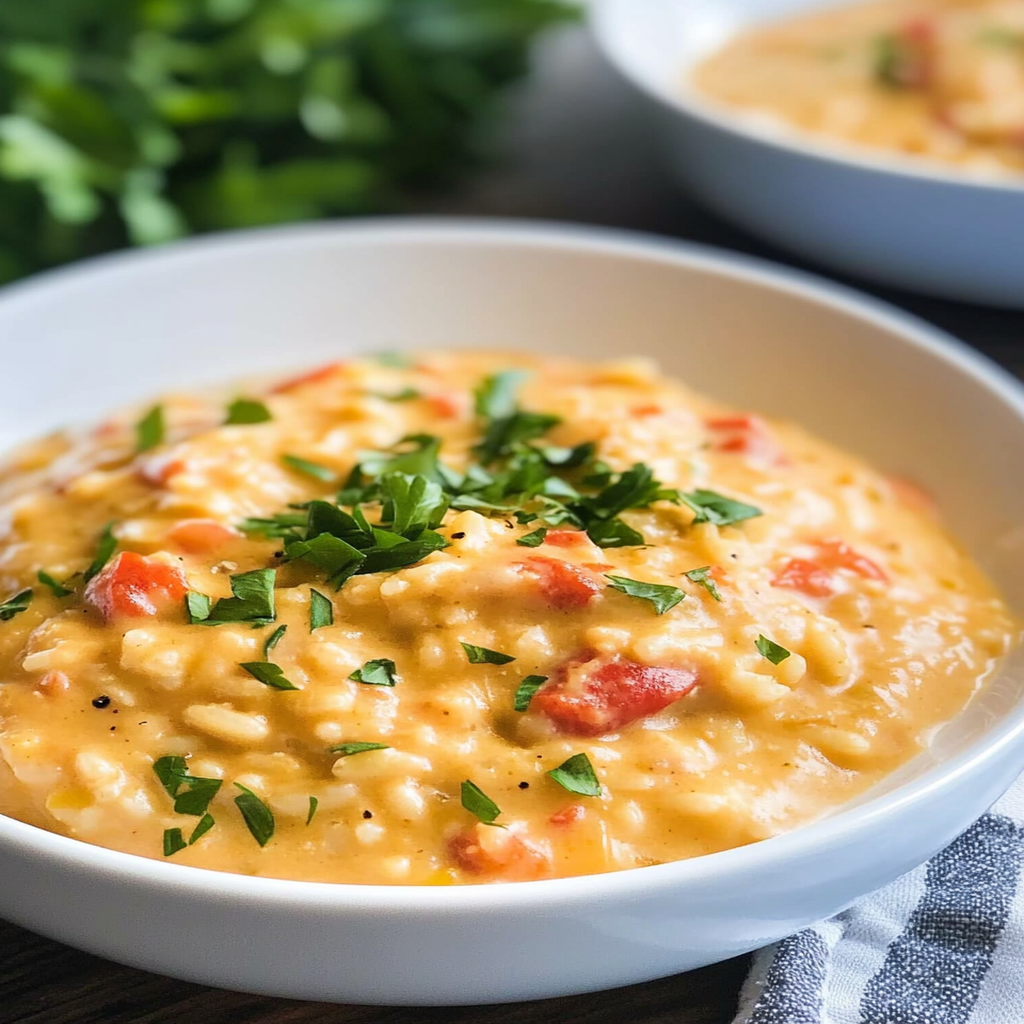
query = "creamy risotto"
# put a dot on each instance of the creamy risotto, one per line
(465, 617)
(942, 79)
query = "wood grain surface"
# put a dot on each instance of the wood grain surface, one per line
(578, 148)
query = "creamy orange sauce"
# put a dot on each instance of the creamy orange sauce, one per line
(701, 733)
(941, 79)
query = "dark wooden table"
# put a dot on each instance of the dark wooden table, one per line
(578, 149)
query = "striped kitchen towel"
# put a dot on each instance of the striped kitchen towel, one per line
(941, 945)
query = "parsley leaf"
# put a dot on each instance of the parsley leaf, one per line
(313, 805)
(197, 607)
(415, 455)
(334, 556)
(321, 611)
(348, 749)
(395, 360)
(173, 842)
(711, 507)
(614, 533)
(15, 605)
(412, 504)
(59, 590)
(495, 398)
(253, 599)
(196, 798)
(204, 826)
(268, 673)
(313, 469)
(662, 597)
(577, 775)
(171, 770)
(535, 539)
(484, 656)
(478, 803)
(273, 640)
(405, 395)
(771, 650)
(703, 578)
(284, 524)
(104, 549)
(379, 672)
(525, 691)
(247, 410)
(149, 431)
(257, 815)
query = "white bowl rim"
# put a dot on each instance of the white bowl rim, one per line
(789, 138)
(547, 895)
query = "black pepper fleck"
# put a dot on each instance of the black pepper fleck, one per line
(458, 536)
(102, 701)
(367, 814)
(524, 785)
(279, 554)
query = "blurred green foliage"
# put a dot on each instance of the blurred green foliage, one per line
(138, 121)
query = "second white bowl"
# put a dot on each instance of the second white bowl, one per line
(895, 220)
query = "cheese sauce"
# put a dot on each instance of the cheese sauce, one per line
(710, 628)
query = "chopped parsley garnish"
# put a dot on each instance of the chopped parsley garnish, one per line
(525, 691)
(59, 590)
(149, 431)
(662, 597)
(702, 577)
(204, 826)
(535, 539)
(405, 395)
(348, 749)
(173, 842)
(257, 815)
(313, 469)
(321, 611)
(197, 607)
(379, 672)
(15, 605)
(253, 601)
(478, 803)
(247, 410)
(268, 673)
(711, 507)
(395, 360)
(314, 803)
(515, 475)
(273, 640)
(104, 549)
(485, 656)
(195, 797)
(771, 650)
(577, 775)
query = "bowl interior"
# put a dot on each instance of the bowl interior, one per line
(78, 342)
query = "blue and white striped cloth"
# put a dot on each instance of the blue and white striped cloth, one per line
(941, 945)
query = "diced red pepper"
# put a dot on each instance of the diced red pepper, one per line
(568, 816)
(316, 376)
(160, 469)
(562, 584)
(447, 407)
(646, 410)
(200, 536)
(597, 695)
(500, 855)
(566, 538)
(744, 435)
(817, 577)
(807, 577)
(134, 585)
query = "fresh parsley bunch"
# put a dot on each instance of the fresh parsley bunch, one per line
(139, 121)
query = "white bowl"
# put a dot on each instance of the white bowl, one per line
(77, 341)
(901, 221)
